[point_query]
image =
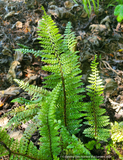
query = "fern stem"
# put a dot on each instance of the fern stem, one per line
(17, 153)
(94, 107)
(50, 139)
(95, 118)
(2, 143)
(64, 92)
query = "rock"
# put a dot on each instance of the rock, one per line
(19, 25)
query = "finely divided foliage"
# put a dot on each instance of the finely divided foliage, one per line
(55, 109)
(94, 114)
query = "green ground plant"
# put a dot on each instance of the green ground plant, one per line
(117, 132)
(94, 114)
(56, 109)
(118, 11)
(88, 6)
(114, 3)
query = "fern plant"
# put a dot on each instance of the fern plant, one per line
(117, 132)
(88, 6)
(55, 109)
(64, 66)
(94, 114)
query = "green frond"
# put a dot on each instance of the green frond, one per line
(117, 132)
(29, 103)
(63, 63)
(31, 89)
(14, 111)
(57, 113)
(34, 52)
(15, 149)
(50, 39)
(49, 130)
(23, 116)
(94, 114)
(29, 131)
(72, 146)
(69, 39)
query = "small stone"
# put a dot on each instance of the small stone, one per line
(19, 25)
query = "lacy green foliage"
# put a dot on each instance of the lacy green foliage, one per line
(93, 143)
(65, 69)
(25, 50)
(23, 116)
(32, 90)
(56, 113)
(17, 150)
(72, 146)
(30, 109)
(49, 131)
(111, 145)
(94, 114)
(117, 132)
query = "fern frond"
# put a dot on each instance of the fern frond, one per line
(73, 146)
(29, 131)
(31, 89)
(117, 132)
(50, 38)
(69, 39)
(49, 130)
(17, 150)
(24, 116)
(94, 114)
(63, 63)
(35, 53)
